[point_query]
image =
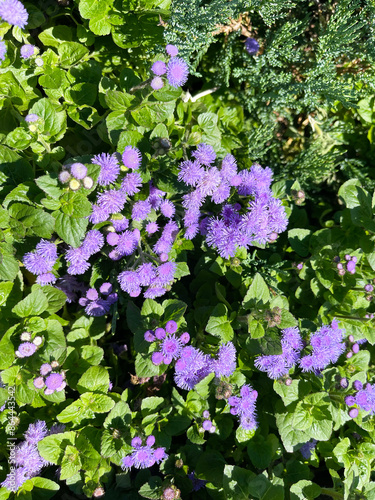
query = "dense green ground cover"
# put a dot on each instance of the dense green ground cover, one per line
(229, 422)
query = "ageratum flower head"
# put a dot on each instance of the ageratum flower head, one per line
(109, 168)
(244, 407)
(260, 219)
(143, 457)
(327, 343)
(27, 51)
(13, 12)
(278, 365)
(177, 72)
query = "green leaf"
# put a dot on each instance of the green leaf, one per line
(55, 343)
(6, 349)
(173, 310)
(144, 366)
(8, 265)
(243, 435)
(153, 113)
(54, 36)
(71, 462)
(34, 220)
(151, 489)
(5, 289)
(299, 241)
(236, 482)
(18, 139)
(211, 466)
(52, 447)
(53, 118)
(152, 403)
(262, 451)
(118, 101)
(50, 185)
(43, 488)
(305, 490)
(96, 378)
(98, 403)
(70, 53)
(32, 305)
(71, 229)
(219, 325)
(56, 298)
(92, 354)
(258, 293)
(202, 387)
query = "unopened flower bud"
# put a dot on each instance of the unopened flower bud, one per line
(353, 413)
(25, 336)
(38, 341)
(74, 185)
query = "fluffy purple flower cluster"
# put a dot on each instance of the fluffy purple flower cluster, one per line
(207, 424)
(261, 220)
(307, 448)
(278, 365)
(77, 258)
(94, 304)
(193, 365)
(327, 343)
(41, 261)
(76, 175)
(13, 12)
(143, 457)
(27, 51)
(244, 407)
(176, 70)
(49, 379)
(251, 46)
(349, 264)
(25, 456)
(364, 398)
(170, 346)
(71, 287)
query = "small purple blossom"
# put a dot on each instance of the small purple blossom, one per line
(143, 457)
(132, 157)
(252, 46)
(78, 170)
(159, 68)
(177, 72)
(3, 50)
(109, 168)
(225, 364)
(157, 83)
(171, 50)
(244, 407)
(36, 432)
(27, 51)
(307, 448)
(205, 154)
(13, 12)
(25, 350)
(131, 183)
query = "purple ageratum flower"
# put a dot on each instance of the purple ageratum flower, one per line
(171, 326)
(167, 208)
(210, 181)
(157, 83)
(129, 282)
(205, 154)
(127, 243)
(54, 382)
(190, 172)
(207, 424)
(146, 273)
(120, 224)
(252, 46)
(328, 345)
(221, 194)
(149, 336)
(71, 287)
(13, 12)
(244, 407)
(141, 210)
(27, 456)
(93, 242)
(46, 279)
(3, 50)
(365, 398)
(15, 480)
(225, 364)
(78, 170)
(197, 483)
(132, 157)
(112, 239)
(47, 250)
(160, 333)
(57, 429)
(152, 227)
(112, 200)
(177, 72)
(192, 367)
(171, 50)
(143, 457)
(98, 214)
(131, 183)
(98, 307)
(228, 167)
(31, 118)
(36, 264)
(105, 288)
(25, 350)
(307, 448)
(171, 347)
(45, 369)
(159, 68)
(109, 168)
(78, 263)
(36, 432)
(165, 273)
(27, 51)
